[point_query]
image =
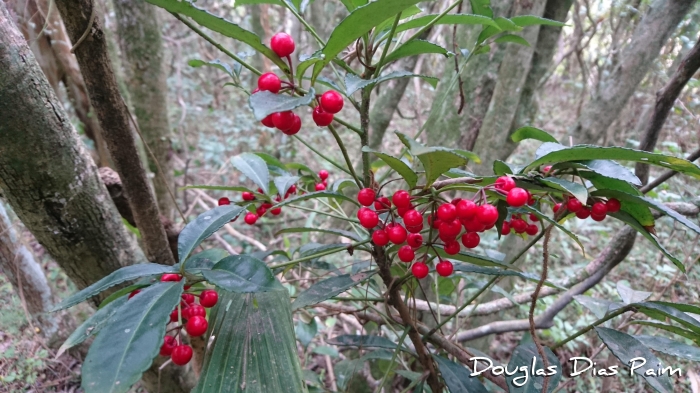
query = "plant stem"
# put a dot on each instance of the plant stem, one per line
(325, 214)
(335, 164)
(364, 137)
(387, 45)
(345, 154)
(216, 44)
(349, 126)
(320, 254)
(591, 326)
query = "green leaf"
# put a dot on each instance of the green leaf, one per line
(282, 183)
(661, 310)
(457, 378)
(523, 133)
(605, 168)
(530, 20)
(313, 195)
(577, 190)
(142, 283)
(523, 355)
(124, 274)
(92, 326)
(214, 63)
(339, 232)
(460, 267)
(385, 26)
(340, 184)
(482, 7)
(242, 274)
(415, 47)
(631, 221)
(306, 63)
(130, 340)
(562, 228)
(507, 24)
(588, 152)
(396, 164)
(501, 168)
(254, 168)
(353, 340)
(626, 347)
(450, 19)
(204, 226)
(218, 188)
(204, 260)
(599, 307)
(301, 168)
(360, 21)
(512, 38)
(669, 328)
(468, 257)
(221, 26)
(270, 160)
(265, 103)
(328, 288)
(255, 350)
(670, 347)
(354, 83)
(629, 295)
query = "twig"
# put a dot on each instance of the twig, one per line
(82, 38)
(533, 333)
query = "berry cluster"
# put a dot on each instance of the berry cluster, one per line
(188, 315)
(265, 206)
(329, 103)
(597, 210)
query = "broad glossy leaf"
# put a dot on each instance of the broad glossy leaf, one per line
(416, 47)
(523, 133)
(669, 328)
(396, 164)
(130, 339)
(576, 189)
(458, 378)
(588, 152)
(360, 21)
(339, 232)
(215, 64)
(301, 168)
(626, 347)
(512, 38)
(328, 288)
(307, 62)
(309, 249)
(204, 226)
(354, 83)
(661, 310)
(460, 267)
(670, 347)
(270, 160)
(482, 7)
(282, 183)
(92, 325)
(506, 24)
(124, 274)
(631, 221)
(142, 283)
(254, 168)
(204, 260)
(523, 355)
(255, 350)
(264, 103)
(450, 19)
(340, 184)
(605, 168)
(385, 26)
(314, 195)
(242, 274)
(501, 168)
(350, 340)
(530, 20)
(629, 295)
(220, 25)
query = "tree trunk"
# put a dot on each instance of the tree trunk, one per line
(141, 45)
(82, 19)
(47, 176)
(634, 61)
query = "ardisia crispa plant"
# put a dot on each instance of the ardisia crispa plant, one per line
(416, 212)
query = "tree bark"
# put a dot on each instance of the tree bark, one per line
(47, 176)
(80, 16)
(142, 47)
(634, 61)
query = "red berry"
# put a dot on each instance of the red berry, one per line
(466, 209)
(169, 343)
(397, 234)
(451, 247)
(267, 122)
(471, 239)
(250, 218)
(599, 209)
(583, 213)
(450, 229)
(533, 217)
(321, 118)
(182, 354)
(434, 222)
(406, 254)
(487, 214)
(170, 277)
(196, 310)
(531, 229)
(382, 203)
(196, 326)
(283, 120)
(319, 187)
(415, 229)
(276, 211)
(282, 44)
(134, 293)
(248, 196)
(269, 82)
(208, 298)
(412, 218)
(401, 211)
(546, 169)
(414, 240)
(420, 270)
(444, 268)
(473, 225)
(556, 207)
(331, 101)
(530, 199)
(366, 196)
(261, 210)
(174, 315)
(369, 219)
(574, 205)
(518, 225)
(504, 183)
(295, 127)
(323, 174)
(447, 212)
(597, 217)
(224, 201)
(401, 198)
(188, 298)
(613, 205)
(380, 238)
(505, 228)
(517, 197)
